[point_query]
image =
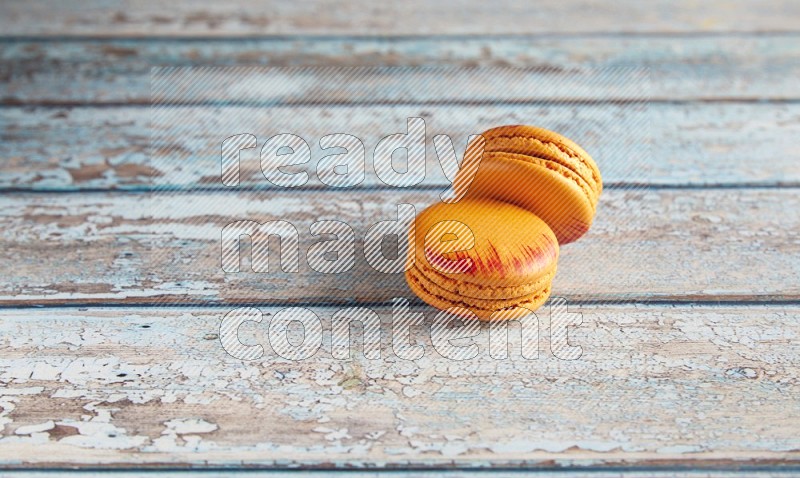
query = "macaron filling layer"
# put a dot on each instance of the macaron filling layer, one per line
(433, 295)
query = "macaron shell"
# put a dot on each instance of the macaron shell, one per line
(511, 247)
(546, 192)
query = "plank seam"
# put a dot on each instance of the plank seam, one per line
(616, 186)
(11, 103)
(397, 37)
(686, 466)
(414, 302)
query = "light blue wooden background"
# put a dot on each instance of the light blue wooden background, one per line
(110, 357)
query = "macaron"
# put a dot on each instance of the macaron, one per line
(540, 171)
(494, 258)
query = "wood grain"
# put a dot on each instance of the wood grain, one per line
(665, 244)
(706, 67)
(655, 386)
(323, 17)
(695, 144)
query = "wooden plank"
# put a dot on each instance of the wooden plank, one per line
(660, 144)
(665, 472)
(105, 248)
(658, 386)
(320, 17)
(704, 66)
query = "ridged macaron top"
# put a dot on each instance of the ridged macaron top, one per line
(508, 245)
(543, 172)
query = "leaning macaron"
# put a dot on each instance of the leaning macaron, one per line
(541, 171)
(494, 258)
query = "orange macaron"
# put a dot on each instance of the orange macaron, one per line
(493, 258)
(495, 251)
(541, 171)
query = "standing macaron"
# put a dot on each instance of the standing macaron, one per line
(540, 171)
